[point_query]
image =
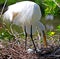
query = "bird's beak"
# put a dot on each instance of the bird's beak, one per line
(44, 37)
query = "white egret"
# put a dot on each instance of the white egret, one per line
(26, 14)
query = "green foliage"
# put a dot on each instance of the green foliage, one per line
(38, 1)
(4, 35)
(50, 7)
(47, 6)
(58, 28)
(58, 1)
(9, 2)
(50, 33)
(2, 1)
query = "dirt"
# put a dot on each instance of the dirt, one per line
(16, 52)
(12, 50)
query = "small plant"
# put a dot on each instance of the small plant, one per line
(50, 33)
(58, 28)
(50, 7)
(4, 35)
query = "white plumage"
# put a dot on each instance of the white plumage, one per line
(25, 13)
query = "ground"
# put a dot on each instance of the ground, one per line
(12, 50)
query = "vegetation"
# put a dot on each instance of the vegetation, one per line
(47, 7)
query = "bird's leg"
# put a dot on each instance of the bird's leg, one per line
(25, 37)
(45, 42)
(32, 39)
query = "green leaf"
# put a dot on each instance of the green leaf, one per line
(51, 33)
(58, 28)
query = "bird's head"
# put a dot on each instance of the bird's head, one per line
(41, 29)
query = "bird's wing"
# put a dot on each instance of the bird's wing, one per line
(14, 15)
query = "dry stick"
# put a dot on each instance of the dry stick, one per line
(16, 38)
(4, 26)
(54, 56)
(10, 57)
(56, 3)
(2, 13)
(3, 7)
(3, 10)
(14, 51)
(13, 32)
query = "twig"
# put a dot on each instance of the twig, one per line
(3, 7)
(56, 3)
(54, 56)
(10, 57)
(14, 51)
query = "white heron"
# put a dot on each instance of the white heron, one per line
(26, 14)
